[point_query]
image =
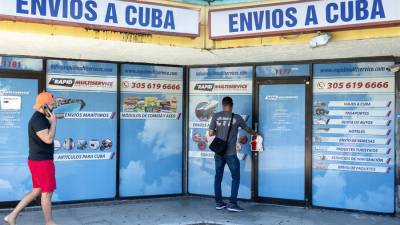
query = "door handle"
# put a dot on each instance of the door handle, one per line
(256, 126)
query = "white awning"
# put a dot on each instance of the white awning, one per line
(27, 44)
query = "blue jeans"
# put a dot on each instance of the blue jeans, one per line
(234, 167)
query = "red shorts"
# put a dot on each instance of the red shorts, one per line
(43, 175)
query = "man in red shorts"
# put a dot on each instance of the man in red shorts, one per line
(41, 130)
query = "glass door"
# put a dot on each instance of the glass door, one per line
(281, 170)
(17, 96)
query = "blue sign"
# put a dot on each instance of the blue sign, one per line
(281, 165)
(301, 16)
(283, 70)
(16, 102)
(371, 69)
(124, 16)
(151, 130)
(17, 63)
(221, 74)
(81, 68)
(85, 142)
(207, 88)
(354, 137)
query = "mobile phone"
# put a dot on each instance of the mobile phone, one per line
(46, 110)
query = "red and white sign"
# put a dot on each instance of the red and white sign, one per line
(86, 115)
(350, 149)
(81, 83)
(355, 113)
(152, 116)
(357, 168)
(366, 122)
(84, 156)
(236, 87)
(370, 85)
(348, 158)
(360, 104)
(353, 140)
(140, 85)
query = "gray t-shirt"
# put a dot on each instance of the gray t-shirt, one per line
(220, 124)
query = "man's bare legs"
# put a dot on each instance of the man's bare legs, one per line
(46, 206)
(26, 200)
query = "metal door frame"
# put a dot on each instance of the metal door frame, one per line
(307, 81)
(40, 76)
(21, 74)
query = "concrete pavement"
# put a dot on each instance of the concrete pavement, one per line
(195, 210)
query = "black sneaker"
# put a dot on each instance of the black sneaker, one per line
(235, 208)
(220, 206)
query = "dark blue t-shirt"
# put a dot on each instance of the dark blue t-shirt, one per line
(220, 124)
(39, 150)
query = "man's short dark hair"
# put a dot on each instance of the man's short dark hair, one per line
(227, 101)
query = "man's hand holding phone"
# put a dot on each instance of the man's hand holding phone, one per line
(52, 118)
(49, 115)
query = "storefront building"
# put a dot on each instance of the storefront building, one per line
(137, 83)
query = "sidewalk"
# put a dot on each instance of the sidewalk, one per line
(196, 210)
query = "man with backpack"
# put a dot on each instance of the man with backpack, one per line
(225, 126)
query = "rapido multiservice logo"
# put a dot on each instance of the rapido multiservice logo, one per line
(209, 87)
(71, 82)
(204, 87)
(65, 82)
